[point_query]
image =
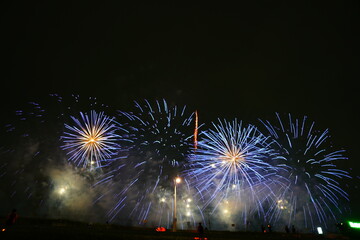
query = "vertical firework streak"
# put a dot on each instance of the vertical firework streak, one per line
(309, 191)
(159, 139)
(196, 130)
(91, 140)
(232, 164)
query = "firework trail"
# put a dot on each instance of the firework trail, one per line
(92, 139)
(196, 130)
(309, 190)
(159, 139)
(231, 166)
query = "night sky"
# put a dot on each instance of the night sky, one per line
(244, 61)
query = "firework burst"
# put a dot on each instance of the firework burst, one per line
(92, 139)
(309, 183)
(31, 153)
(231, 164)
(159, 138)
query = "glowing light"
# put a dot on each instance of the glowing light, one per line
(178, 180)
(319, 230)
(354, 224)
(62, 190)
(160, 229)
(282, 204)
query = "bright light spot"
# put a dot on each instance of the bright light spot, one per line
(162, 200)
(178, 180)
(160, 229)
(319, 229)
(213, 165)
(226, 211)
(62, 190)
(188, 214)
(234, 158)
(354, 224)
(187, 205)
(189, 200)
(233, 186)
(282, 204)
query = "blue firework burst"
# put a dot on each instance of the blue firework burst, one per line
(158, 139)
(309, 190)
(232, 166)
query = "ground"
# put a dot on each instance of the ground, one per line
(26, 228)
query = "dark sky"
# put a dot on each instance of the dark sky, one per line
(247, 60)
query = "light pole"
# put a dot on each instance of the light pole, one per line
(176, 181)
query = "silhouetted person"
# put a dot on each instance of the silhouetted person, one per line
(11, 218)
(247, 225)
(200, 230)
(287, 230)
(293, 230)
(263, 229)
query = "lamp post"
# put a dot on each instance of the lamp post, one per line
(176, 181)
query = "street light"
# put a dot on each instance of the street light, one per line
(176, 181)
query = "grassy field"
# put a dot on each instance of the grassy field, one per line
(28, 228)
